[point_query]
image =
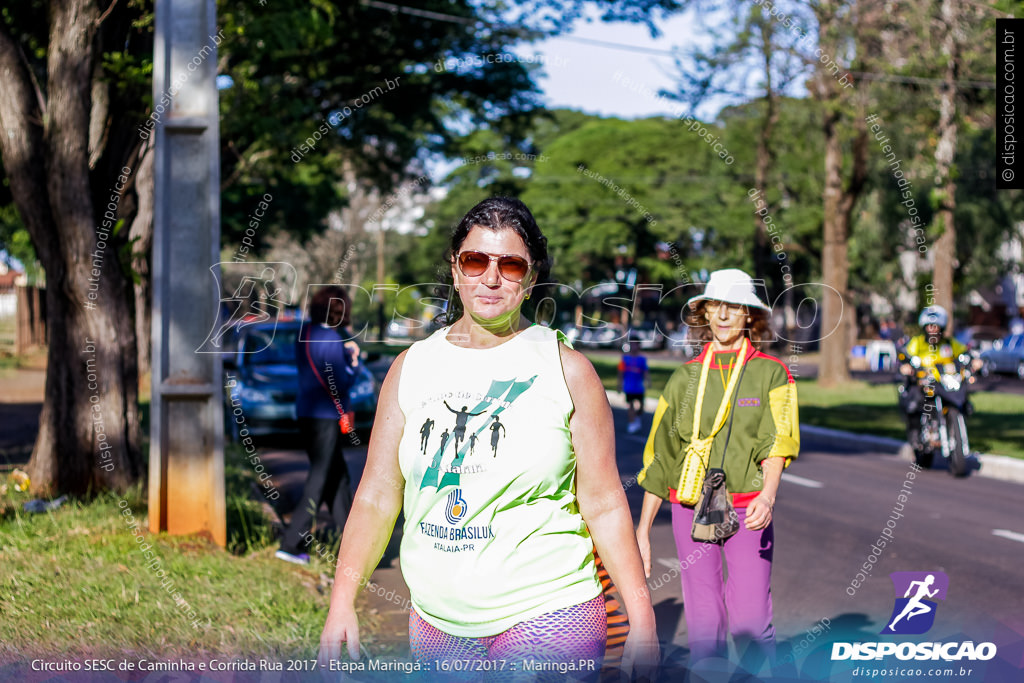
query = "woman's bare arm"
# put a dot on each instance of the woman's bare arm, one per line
(602, 503)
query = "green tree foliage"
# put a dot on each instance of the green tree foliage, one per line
(793, 193)
(613, 189)
(590, 176)
(326, 94)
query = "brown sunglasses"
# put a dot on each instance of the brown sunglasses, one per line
(474, 264)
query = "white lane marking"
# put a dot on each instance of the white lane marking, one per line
(671, 564)
(1012, 535)
(800, 481)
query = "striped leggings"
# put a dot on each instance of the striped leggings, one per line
(567, 644)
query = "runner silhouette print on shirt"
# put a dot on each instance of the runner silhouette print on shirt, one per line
(461, 416)
(495, 426)
(425, 433)
(500, 395)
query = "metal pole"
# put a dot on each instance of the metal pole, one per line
(186, 461)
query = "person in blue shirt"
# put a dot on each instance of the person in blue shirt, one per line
(632, 373)
(327, 365)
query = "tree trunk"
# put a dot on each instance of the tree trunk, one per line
(835, 263)
(945, 151)
(142, 234)
(88, 428)
(763, 254)
(838, 312)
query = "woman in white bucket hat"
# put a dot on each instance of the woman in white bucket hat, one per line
(732, 382)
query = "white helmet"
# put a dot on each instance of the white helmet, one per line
(933, 315)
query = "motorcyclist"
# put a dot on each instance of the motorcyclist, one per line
(932, 350)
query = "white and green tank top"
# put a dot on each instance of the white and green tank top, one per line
(493, 535)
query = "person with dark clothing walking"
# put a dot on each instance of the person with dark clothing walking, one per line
(327, 367)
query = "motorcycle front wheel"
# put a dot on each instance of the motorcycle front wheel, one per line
(923, 454)
(958, 445)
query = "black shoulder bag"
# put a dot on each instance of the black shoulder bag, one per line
(714, 517)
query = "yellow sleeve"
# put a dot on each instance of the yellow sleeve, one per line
(785, 413)
(664, 449)
(659, 413)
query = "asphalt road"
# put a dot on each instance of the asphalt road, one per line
(834, 502)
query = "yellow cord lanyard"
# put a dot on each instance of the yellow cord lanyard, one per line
(725, 381)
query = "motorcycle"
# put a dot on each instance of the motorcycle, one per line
(944, 403)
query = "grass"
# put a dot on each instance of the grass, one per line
(997, 425)
(75, 583)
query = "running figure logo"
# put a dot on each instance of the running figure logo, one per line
(425, 433)
(495, 435)
(461, 416)
(914, 612)
(257, 298)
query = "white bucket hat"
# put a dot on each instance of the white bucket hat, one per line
(732, 286)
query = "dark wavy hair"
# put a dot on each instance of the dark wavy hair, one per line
(758, 330)
(330, 305)
(498, 213)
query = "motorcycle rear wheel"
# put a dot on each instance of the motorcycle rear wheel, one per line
(956, 428)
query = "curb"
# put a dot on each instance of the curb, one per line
(1001, 467)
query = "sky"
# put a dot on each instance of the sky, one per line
(593, 68)
(609, 70)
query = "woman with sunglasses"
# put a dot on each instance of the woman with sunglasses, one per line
(745, 402)
(497, 547)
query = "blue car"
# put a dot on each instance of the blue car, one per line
(1007, 356)
(261, 380)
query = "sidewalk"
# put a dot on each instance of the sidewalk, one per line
(21, 401)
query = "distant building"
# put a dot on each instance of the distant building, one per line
(8, 298)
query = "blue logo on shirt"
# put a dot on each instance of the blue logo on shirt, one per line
(455, 509)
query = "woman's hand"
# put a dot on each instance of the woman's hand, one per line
(641, 655)
(341, 627)
(648, 511)
(759, 512)
(353, 349)
(643, 541)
